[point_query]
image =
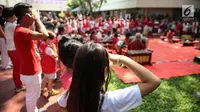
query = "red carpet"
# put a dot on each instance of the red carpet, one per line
(164, 51)
(169, 59)
(167, 70)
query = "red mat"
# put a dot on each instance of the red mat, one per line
(164, 51)
(167, 70)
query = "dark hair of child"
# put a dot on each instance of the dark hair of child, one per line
(116, 35)
(67, 50)
(7, 12)
(61, 29)
(91, 35)
(109, 33)
(114, 30)
(128, 35)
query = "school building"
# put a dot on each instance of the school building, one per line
(121, 8)
(170, 8)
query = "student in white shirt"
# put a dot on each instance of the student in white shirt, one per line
(92, 24)
(9, 33)
(61, 31)
(91, 76)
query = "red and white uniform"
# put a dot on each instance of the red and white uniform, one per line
(150, 25)
(110, 24)
(96, 24)
(86, 24)
(105, 28)
(68, 27)
(30, 68)
(92, 25)
(48, 62)
(12, 52)
(195, 27)
(27, 51)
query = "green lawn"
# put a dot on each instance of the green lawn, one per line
(173, 95)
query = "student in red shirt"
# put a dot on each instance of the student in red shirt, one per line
(178, 28)
(170, 35)
(93, 37)
(137, 43)
(115, 39)
(24, 38)
(132, 25)
(49, 65)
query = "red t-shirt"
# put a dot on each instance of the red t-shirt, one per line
(136, 46)
(170, 35)
(95, 39)
(146, 21)
(178, 27)
(114, 40)
(66, 80)
(48, 63)
(27, 51)
(151, 23)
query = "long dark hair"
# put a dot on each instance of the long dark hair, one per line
(89, 82)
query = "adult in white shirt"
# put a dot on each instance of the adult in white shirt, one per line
(92, 82)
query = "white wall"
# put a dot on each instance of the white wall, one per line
(3, 2)
(125, 4)
(118, 4)
(49, 7)
(167, 3)
(10, 3)
(40, 6)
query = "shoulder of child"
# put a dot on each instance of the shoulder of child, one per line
(122, 99)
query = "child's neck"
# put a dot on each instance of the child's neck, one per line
(48, 43)
(68, 70)
(10, 21)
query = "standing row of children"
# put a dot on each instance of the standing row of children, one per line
(48, 53)
(21, 41)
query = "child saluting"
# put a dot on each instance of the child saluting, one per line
(49, 64)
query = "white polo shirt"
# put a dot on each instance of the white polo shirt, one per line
(9, 33)
(121, 100)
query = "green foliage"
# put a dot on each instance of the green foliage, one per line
(86, 6)
(73, 4)
(173, 95)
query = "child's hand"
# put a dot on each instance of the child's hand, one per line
(36, 14)
(51, 34)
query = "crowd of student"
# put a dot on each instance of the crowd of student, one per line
(39, 44)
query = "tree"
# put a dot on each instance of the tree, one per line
(87, 6)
